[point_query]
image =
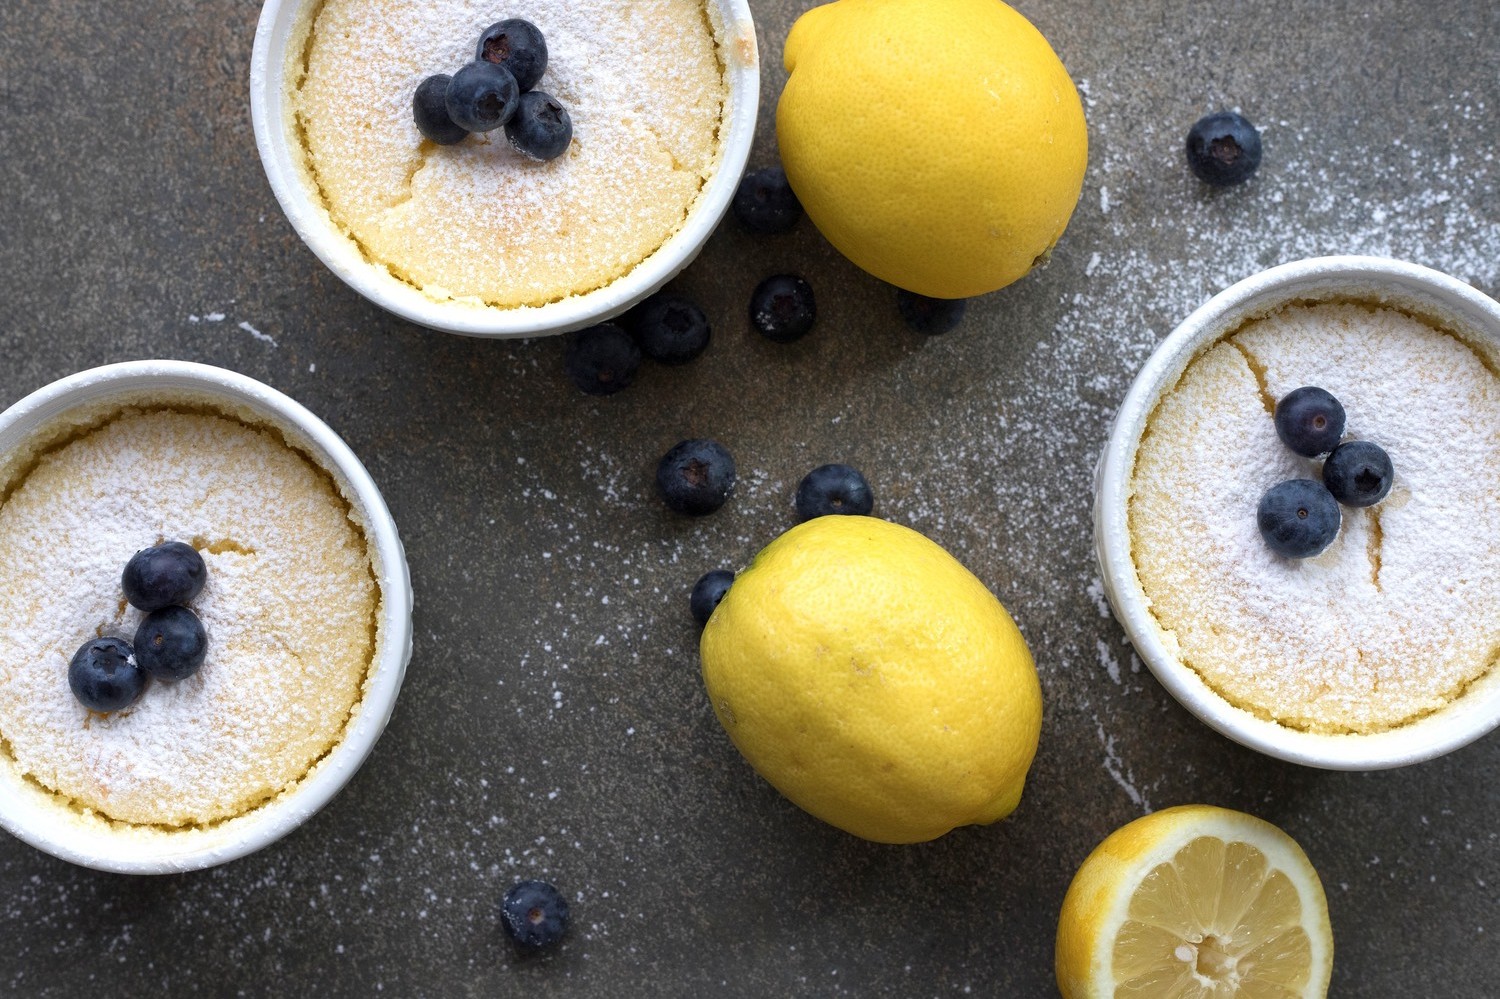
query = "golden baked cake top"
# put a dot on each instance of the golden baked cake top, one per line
(643, 82)
(289, 607)
(1398, 616)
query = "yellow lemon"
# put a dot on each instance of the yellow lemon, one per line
(1195, 902)
(938, 144)
(874, 681)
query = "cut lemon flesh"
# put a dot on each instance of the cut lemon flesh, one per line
(1195, 903)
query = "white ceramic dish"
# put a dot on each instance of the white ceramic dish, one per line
(273, 140)
(35, 815)
(1437, 297)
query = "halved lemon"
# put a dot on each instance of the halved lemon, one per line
(1195, 902)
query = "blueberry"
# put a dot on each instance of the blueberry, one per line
(695, 477)
(541, 128)
(1309, 421)
(170, 573)
(765, 201)
(602, 359)
(670, 329)
(931, 316)
(1358, 473)
(482, 97)
(517, 45)
(534, 914)
(1223, 148)
(429, 108)
(170, 643)
(1298, 518)
(707, 593)
(782, 308)
(833, 489)
(104, 675)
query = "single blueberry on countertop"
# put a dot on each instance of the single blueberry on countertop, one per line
(765, 202)
(170, 644)
(1223, 148)
(541, 128)
(534, 914)
(429, 109)
(670, 329)
(1310, 421)
(1298, 518)
(519, 46)
(931, 316)
(1358, 473)
(833, 489)
(782, 308)
(105, 676)
(695, 477)
(165, 574)
(602, 359)
(482, 96)
(707, 593)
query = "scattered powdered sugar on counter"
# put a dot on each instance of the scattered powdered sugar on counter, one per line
(1122, 280)
(1117, 770)
(262, 337)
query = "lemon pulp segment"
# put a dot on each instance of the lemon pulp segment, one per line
(1215, 921)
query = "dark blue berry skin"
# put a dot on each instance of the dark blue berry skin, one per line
(429, 109)
(104, 675)
(765, 203)
(695, 477)
(1298, 518)
(170, 644)
(519, 46)
(482, 97)
(602, 359)
(782, 308)
(707, 593)
(157, 577)
(930, 316)
(670, 329)
(1358, 473)
(1310, 421)
(1223, 148)
(833, 489)
(534, 914)
(541, 128)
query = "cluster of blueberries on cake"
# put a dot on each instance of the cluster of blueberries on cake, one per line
(497, 90)
(108, 674)
(1299, 518)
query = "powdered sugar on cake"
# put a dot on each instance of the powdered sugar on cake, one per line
(644, 87)
(288, 608)
(1399, 614)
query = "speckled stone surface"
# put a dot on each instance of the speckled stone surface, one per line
(553, 723)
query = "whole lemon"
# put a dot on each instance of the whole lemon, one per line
(938, 144)
(874, 681)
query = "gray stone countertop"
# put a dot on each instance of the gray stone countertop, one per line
(553, 722)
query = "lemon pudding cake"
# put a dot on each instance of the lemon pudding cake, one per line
(476, 222)
(290, 607)
(1401, 613)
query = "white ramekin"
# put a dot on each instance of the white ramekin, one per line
(268, 62)
(1445, 301)
(36, 816)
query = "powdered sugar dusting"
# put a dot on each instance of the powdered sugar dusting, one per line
(1393, 619)
(477, 220)
(287, 607)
